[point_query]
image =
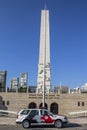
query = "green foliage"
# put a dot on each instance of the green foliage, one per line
(22, 89)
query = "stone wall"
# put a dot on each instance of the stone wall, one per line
(66, 102)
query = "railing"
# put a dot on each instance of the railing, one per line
(78, 113)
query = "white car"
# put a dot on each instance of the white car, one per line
(22, 114)
(30, 117)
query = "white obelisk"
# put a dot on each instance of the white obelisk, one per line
(44, 78)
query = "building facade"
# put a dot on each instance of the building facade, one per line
(44, 77)
(54, 102)
(3, 75)
(24, 80)
(14, 84)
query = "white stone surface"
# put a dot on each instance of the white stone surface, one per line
(44, 54)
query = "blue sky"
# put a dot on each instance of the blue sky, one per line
(20, 36)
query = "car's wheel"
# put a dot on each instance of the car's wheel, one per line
(26, 124)
(58, 124)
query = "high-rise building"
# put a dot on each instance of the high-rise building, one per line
(3, 75)
(44, 77)
(24, 80)
(14, 83)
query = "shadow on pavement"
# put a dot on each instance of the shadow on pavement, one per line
(70, 125)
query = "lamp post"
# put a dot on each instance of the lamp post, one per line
(44, 73)
(44, 65)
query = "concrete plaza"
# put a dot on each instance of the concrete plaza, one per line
(11, 120)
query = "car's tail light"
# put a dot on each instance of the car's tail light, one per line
(17, 116)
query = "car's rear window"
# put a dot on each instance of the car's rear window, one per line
(25, 112)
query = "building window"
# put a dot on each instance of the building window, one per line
(7, 102)
(83, 104)
(78, 104)
(3, 103)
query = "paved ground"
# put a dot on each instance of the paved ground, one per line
(8, 123)
(81, 121)
(67, 127)
(7, 120)
(11, 120)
